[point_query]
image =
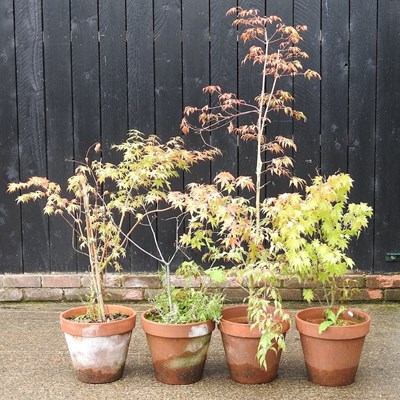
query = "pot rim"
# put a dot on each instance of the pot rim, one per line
(333, 332)
(191, 330)
(97, 328)
(242, 329)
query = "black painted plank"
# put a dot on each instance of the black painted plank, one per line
(334, 98)
(85, 82)
(168, 67)
(113, 78)
(223, 67)
(10, 216)
(113, 82)
(57, 61)
(387, 195)
(249, 86)
(281, 124)
(140, 58)
(85, 75)
(195, 59)
(141, 114)
(168, 90)
(362, 83)
(307, 93)
(31, 122)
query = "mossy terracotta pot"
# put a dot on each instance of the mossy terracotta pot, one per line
(332, 357)
(241, 344)
(178, 351)
(98, 350)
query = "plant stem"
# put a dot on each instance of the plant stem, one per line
(168, 273)
(262, 117)
(92, 252)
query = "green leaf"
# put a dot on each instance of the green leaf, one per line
(217, 275)
(324, 326)
(308, 295)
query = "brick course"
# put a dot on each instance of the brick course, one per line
(61, 281)
(21, 281)
(43, 294)
(392, 295)
(141, 287)
(11, 294)
(383, 281)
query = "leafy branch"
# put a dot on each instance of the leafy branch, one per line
(105, 195)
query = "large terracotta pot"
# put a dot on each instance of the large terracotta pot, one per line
(332, 357)
(98, 350)
(178, 351)
(241, 344)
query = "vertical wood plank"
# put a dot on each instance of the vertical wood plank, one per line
(224, 70)
(85, 82)
(195, 58)
(335, 65)
(168, 89)
(85, 75)
(281, 125)
(140, 66)
(307, 93)
(60, 146)
(249, 86)
(168, 67)
(387, 195)
(113, 78)
(10, 216)
(141, 114)
(362, 83)
(195, 63)
(113, 83)
(31, 122)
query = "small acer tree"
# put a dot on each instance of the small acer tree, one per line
(222, 224)
(103, 196)
(274, 47)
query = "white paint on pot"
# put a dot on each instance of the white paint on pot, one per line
(98, 352)
(198, 330)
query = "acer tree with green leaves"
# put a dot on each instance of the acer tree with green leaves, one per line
(103, 197)
(311, 234)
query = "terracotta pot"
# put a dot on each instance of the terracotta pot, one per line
(240, 345)
(178, 351)
(332, 357)
(98, 350)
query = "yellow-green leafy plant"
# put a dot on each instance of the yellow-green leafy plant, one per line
(311, 235)
(102, 197)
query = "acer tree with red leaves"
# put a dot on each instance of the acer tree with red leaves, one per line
(274, 46)
(226, 226)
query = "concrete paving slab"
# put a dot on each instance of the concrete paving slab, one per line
(35, 365)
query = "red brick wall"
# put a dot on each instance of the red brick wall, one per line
(132, 288)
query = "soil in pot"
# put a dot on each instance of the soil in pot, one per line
(178, 351)
(332, 357)
(98, 350)
(241, 344)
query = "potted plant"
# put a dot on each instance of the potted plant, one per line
(104, 197)
(97, 334)
(179, 324)
(232, 228)
(312, 234)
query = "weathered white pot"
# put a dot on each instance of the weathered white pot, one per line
(178, 351)
(98, 350)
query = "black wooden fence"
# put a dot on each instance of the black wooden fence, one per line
(74, 72)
